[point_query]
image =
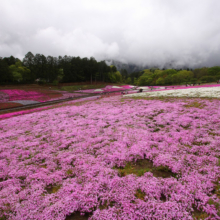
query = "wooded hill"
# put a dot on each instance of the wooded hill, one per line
(41, 69)
(174, 76)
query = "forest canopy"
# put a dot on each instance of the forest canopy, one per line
(41, 69)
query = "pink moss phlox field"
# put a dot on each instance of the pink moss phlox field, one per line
(3, 97)
(66, 95)
(18, 94)
(62, 160)
(9, 115)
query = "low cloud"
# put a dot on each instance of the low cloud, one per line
(141, 32)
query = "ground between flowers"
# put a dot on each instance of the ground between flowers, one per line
(113, 159)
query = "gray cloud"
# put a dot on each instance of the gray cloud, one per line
(153, 32)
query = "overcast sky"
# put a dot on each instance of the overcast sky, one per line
(146, 32)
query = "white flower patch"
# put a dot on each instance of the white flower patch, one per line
(144, 88)
(211, 92)
(116, 87)
(25, 102)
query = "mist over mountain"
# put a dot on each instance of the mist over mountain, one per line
(132, 67)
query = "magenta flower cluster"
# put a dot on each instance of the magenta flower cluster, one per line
(59, 161)
(18, 94)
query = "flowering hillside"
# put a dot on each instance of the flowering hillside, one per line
(113, 159)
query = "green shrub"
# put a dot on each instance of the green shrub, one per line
(55, 83)
(208, 79)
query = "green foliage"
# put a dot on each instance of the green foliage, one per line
(169, 72)
(213, 71)
(16, 72)
(20, 73)
(148, 77)
(168, 79)
(10, 60)
(55, 82)
(141, 172)
(208, 79)
(112, 77)
(160, 81)
(146, 72)
(153, 69)
(124, 74)
(118, 76)
(175, 79)
(185, 76)
(115, 77)
(128, 80)
(145, 80)
(198, 73)
(17, 76)
(75, 69)
(217, 76)
(5, 74)
(159, 73)
(59, 77)
(135, 81)
(113, 68)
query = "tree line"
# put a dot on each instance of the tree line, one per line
(154, 76)
(42, 69)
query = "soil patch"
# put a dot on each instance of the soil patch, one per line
(9, 105)
(142, 166)
(52, 189)
(78, 216)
